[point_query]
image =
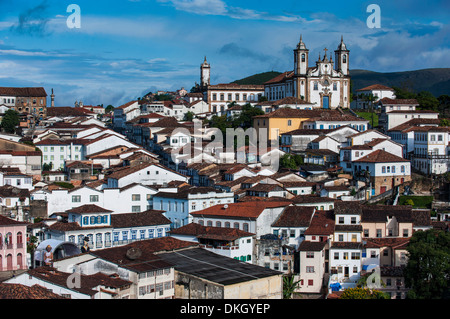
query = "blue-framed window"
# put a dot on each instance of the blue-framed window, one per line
(85, 221)
(151, 233)
(142, 234)
(160, 232)
(116, 236)
(125, 235)
(133, 234)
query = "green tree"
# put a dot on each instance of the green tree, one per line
(427, 272)
(245, 119)
(188, 116)
(427, 101)
(288, 161)
(363, 293)
(289, 286)
(109, 108)
(10, 121)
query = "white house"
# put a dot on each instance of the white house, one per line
(292, 224)
(106, 230)
(254, 217)
(383, 169)
(146, 174)
(179, 205)
(131, 198)
(431, 149)
(379, 92)
(13, 176)
(229, 242)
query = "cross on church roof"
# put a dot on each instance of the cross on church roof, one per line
(325, 51)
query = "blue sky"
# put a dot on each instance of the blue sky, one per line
(126, 48)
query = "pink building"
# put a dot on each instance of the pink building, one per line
(13, 248)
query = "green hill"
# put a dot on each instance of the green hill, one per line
(258, 79)
(436, 81)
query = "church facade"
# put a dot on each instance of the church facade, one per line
(326, 85)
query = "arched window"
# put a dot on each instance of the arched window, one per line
(8, 240)
(344, 58)
(85, 220)
(200, 222)
(218, 224)
(236, 225)
(245, 227)
(19, 240)
(209, 223)
(227, 224)
(303, 57)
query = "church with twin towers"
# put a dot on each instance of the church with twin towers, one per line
(325, 85)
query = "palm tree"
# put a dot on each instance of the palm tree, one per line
(289, 286)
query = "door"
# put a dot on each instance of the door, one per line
(326, 102)
(346, 271)
(9, 262)
(382, 189)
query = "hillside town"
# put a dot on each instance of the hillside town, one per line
(286, 189)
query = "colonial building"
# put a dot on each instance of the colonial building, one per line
(325, 85)
(28, 100)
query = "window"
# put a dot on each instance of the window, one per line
(135, 197)
(378, 233)
(136, 209)
(336, 255)
(303, 57)
(309, 269)
(383, 169)
(227, 225)
(289, 123)
(245, 227)
(310, 282)
(236, 225)
(309, 254)
(402, 168)
(316, 86)
(341, 220)
(334, 86)
(355, 256)
(214, 97)
(345, 256)
(76, 198)
(366, 233)
(93, 198)
(353, 220)
(405, 233)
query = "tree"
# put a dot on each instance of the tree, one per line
(188, 116)
(288, 161)
(289, 286)
(427, 272)
(245, 119)
(10, 121)
(363, 293)
(427, 101)
(109, 108)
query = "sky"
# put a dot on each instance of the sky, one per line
(124, 49)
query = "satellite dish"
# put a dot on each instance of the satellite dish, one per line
(225, 206)
(134, 253)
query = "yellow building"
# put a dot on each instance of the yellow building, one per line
(287, 119)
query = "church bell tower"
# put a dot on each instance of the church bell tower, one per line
(342, 58)
(300, 58)
(205, 74)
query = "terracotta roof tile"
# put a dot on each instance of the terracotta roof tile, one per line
(380, 156)
(240, 210)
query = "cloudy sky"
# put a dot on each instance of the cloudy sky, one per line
(126, 48)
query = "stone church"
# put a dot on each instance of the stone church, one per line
(326, 85)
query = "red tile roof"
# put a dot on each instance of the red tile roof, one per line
(376, 87)
(23, 91)
(88, 209)
(380, 156)
(250, 210)
(209, 232)
(19, 291)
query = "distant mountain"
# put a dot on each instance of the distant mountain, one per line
(258, 79)
(436, 81)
